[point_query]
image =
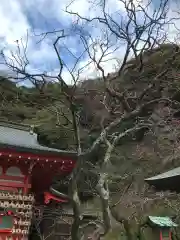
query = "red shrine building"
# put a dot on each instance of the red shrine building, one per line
(26, 173)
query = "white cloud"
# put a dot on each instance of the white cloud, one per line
(15, 22)
(43, 55)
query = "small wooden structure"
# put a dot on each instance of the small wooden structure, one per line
(162, 227)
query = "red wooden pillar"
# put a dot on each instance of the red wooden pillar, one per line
(160, 238)
(168, 237)
(26, 182)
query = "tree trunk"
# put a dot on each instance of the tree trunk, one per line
(102, 188)
(75, 233)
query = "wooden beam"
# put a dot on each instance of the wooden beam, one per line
(14, 184)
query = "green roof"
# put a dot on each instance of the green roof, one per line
(162, 221)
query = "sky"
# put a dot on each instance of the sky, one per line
(34, 17)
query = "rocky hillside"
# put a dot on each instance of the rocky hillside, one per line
(143, 156)
(21, 104)
(45, 109)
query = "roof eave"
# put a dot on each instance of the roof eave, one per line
(60, 153)
(162, 221)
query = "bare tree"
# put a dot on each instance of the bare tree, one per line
(130, 32)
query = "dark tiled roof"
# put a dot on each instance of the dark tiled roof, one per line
(172, 173)
(167, 181)
(20, 136)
